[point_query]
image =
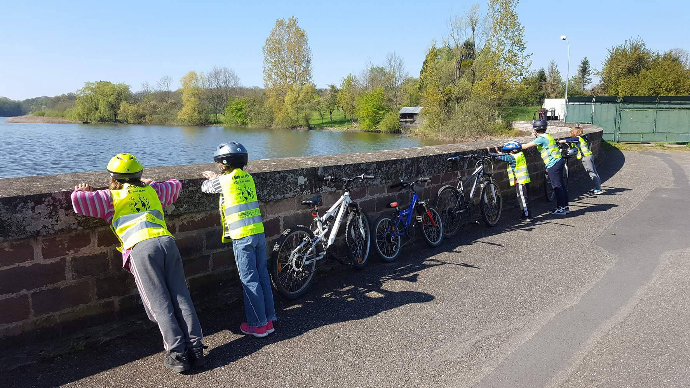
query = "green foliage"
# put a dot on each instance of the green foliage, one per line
(506, 40)
(347, 96)
(584, 73)
(632, 69)
(131, 113)
(390, 123)
(553, 87)
(236, 112)
(371, 108)
(39, 113)
(410, 92)
(192, 111)
(100, 101)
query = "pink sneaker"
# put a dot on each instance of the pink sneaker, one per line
(253, 330)
(269, 327)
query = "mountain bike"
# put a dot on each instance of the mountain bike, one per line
(295, 253)
(455, 205)
(389, 230)
(567, 152)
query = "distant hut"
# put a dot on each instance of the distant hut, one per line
(409, 115)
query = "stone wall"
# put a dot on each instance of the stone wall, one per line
(60, 272)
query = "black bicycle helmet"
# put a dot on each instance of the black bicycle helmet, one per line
(231, 154)
(540, 124)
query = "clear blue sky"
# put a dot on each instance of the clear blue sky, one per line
(53, 47)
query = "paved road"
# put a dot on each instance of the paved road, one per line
(597, 298)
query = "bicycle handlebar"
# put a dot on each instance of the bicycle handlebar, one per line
(402, 184)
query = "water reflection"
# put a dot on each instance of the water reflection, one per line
(43, 149)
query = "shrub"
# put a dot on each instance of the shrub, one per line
(390, 123)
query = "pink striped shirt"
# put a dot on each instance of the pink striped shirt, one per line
(99, 204)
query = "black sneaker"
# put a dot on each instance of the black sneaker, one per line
(196, 356)
(176, 361)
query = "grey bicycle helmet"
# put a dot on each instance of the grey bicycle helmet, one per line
(540, 124)
(232, 154)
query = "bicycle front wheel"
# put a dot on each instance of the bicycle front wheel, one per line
(358, 238)
(491, 204)
(292, 266)
(432, 227)
(447, 204)
(387, 240)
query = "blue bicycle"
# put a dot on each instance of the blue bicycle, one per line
(390, 230)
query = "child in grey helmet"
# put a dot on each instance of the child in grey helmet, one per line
(242, 224)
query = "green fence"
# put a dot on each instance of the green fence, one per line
(665, 119)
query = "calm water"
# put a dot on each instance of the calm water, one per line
(44, 149)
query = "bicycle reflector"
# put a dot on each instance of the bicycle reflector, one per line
(394, 204)
(314, 214)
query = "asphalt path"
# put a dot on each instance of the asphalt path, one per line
(597, 298)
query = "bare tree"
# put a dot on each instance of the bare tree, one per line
(396, 74)
(220, 84)
(163, 87)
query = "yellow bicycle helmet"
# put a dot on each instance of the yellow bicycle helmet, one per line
(125, 167)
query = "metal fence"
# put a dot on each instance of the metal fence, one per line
(634, 118)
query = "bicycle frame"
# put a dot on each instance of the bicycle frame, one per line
(340, 207)
(477, 175)
(405, 215)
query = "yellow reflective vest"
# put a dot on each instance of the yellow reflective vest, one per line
(520, 173)
(138, 215)
(550, 151)
(583, 148)
(239, 207)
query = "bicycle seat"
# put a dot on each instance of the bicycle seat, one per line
(313, 201)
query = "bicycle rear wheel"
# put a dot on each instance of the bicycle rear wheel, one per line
(387, 240)
(491, 204)
(291, 269)
(432, 227)
(358, 238)
(447, 204)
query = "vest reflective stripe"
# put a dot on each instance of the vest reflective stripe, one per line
(520, 172)
(139, 227)
(131, 217)
(239, 207)
(244, 222)
(583, 149)
(138, 215)
(551, 151)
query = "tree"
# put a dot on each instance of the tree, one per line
(9, 108)
(553, 84)
(347, 96)
(221, 83)
(584, 73)
(506, 40)
(395, 75)
(371, 108)
(330, 100)
(192, 111)
(632, 69)
(236, 112)
(100, 101)
(287, 64)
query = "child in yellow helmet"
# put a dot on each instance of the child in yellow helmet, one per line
(134, 208)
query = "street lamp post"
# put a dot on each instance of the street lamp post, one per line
(567, 75)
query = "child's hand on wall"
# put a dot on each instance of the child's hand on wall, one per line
(146, 181)
(83, 187)
(209, 174)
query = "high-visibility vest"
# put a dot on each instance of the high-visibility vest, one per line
(551, 151)
(583, 148)
(520, 172)
(239, 208)
(138, 215)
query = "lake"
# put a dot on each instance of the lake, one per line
(46, 149)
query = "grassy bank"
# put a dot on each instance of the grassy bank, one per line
(517, 113)
(39, 120)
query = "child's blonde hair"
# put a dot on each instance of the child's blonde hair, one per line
(117, 185)
(577, 131)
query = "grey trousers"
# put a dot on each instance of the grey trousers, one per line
(157, 268)
(588, 164)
